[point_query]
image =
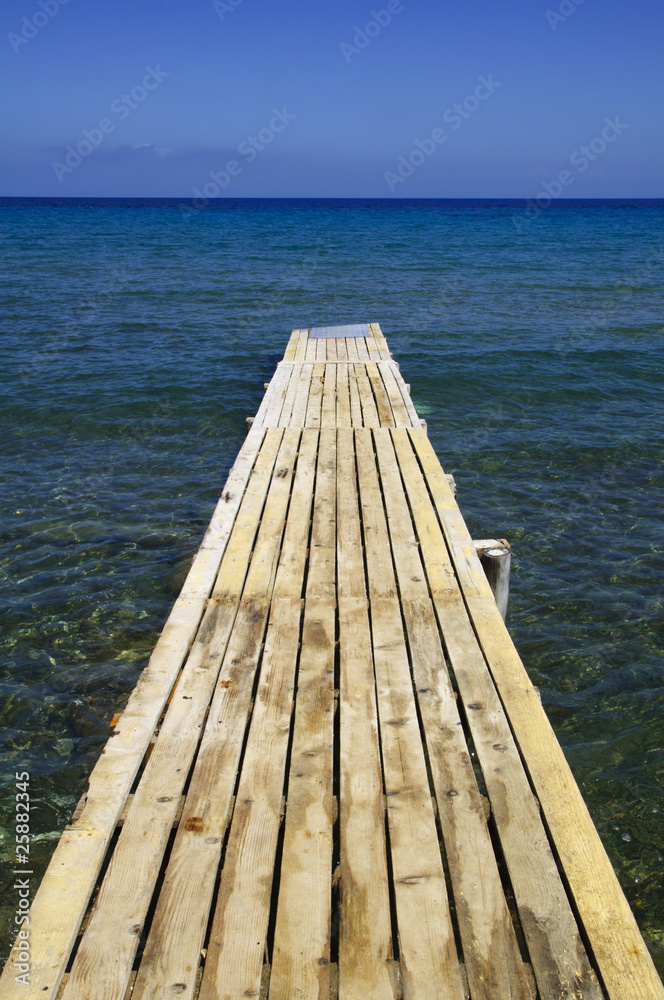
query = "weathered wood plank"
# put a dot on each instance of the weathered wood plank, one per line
(414, 418)
(402, 416)
(301, 952)
(315, 401)
(321, 579)
(491, 953)
(289, 353)
(351, 348)
(383, 405)
(295, 548)
(272, 402)
(342, 350)
(329, 407)
(365, 939)
(104, 958)
(380, 341)
(301, 346)
(310, 352)
(343, 417)
(290, 397)
(372, 347)
(178, 928)
(321, 349)
(235, 958)
(427, 950)
(354, 393)
(618, 948)
(62, 898)
(180, 920)
(298, 416)
(558, 957)
(301, 955)
(234, 962)
(370, 416)
(362, 349)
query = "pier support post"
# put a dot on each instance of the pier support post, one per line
(496, 557)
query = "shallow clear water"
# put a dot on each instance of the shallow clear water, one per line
(134, 343)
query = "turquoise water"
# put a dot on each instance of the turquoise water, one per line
(134, 343)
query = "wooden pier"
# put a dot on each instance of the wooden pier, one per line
(334, 777)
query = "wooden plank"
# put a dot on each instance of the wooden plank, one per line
(331, 349)
(62, 898)
(310, 353)
(342, 350)
(289, 399)
(234, 962)
(365, 943)
(235, 959)
(289, 353)
(427, 950)
(618, 948)
(343, 415)
(301, 952)
(315, 400)
(265, 557)
(383, 405)
(301, 347)
(414, 418)
(354, 392)
(298, 416)
(329, 408)
(372, 347)
(491, 952)
(558, 957)
(180, 920)
(273, 400)
(362, 349)
(321, 349)
(369, 411)
(321, 579)
(380, 341)
(402, 418)
(105, 955)
(301, 955)
(294, 551)
(351, 349)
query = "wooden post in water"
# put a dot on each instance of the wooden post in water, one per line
(496, 558)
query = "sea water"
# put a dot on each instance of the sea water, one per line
(135, 339)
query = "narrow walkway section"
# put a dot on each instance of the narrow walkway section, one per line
(334, 777)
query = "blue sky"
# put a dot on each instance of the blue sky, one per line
(354, 107)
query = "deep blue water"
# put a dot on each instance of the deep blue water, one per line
(133, 344)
